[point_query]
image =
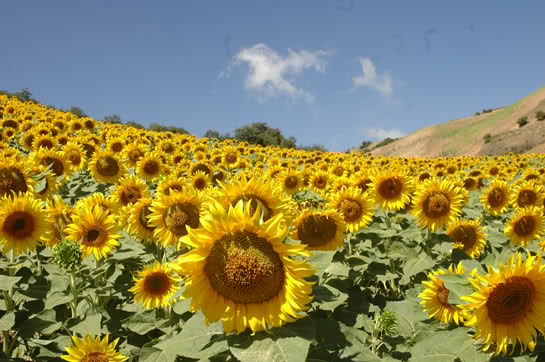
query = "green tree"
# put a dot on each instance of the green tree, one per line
(259, 133)
(113, 118)
(77, 111)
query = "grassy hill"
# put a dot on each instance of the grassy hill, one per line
(491, 133)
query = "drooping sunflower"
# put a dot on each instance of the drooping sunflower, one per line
(241, 272)
(508, 305)
(95, 230)
(106, 167)
(155, 286)
(468, 235)
(355, 207)
(495, 199)
(526, 225)
(93, 349)
(392, 189)
(138, 222)
(527, 193)
(59, 216)
(46, 182)
(171, 214)
(434, 298)
(436, 202)
(320, 230)
(150, 167)
(130, 189)
(22, 223)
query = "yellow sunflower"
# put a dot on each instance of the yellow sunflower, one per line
(320, 181)
(75, 155)
(93, 349)
(116, 144)
(14, 178)
(55, 160)
(527, 193)
(436, 202)
(95, 230)
(106, 203)
(150, 167)
(134, 152)
(495, 199)
(468, 235)
(200, 180)
(172, 183)
(59, 216)
(434, 298)
(130, 190)
(241, 272)
(392, 189)
(526, 225)
(106, 167)
(320, 230)
(355, 207)
(290, 180)
(22, 223)
(138, 221)
(509, 304)
(155, 286)
(171, 214)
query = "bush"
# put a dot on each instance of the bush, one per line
(477, 113)
(523, 121)
(365, 144)
(487, 138)
(540, 115)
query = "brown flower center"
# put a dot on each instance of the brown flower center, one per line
(442, 295)
(107, 166)
(510, 301)
(93, 237)
(317, 230)
(56, 165)
(319, 182)
(117, 147)
(95, 357)
(469, 183)
(11, 179)
(390, 188)
(351, 210)
(135, 155)
(436, 205)
(19, 225)
(143, 218)
(466, 235)
(525, 226)
(244, 268)
(423, 176)
(526, 198)
(200, 167)
(496, 197)
(199, 183)
(494, 171)
(74, 157)
(178, 216)
(157, 284)
(151, 167)
(291, 182)
(338, 171)
(231, 157)
(130, 195)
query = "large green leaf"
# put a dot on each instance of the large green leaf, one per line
(7, 282)
(90, 324)
(321, 260)
(408, 314)
(142, 322)
(458, 286)
(7, 321)
(415, 265)
(152, 354)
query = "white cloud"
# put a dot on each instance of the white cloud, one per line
(370, 78)
(381, 133)
(268, 70)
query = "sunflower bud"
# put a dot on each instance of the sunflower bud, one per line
(67, 255)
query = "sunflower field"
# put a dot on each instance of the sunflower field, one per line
(122, 244)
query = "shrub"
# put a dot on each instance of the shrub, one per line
(540, 115)
(523, 121)
(487, 138)
(477, 113)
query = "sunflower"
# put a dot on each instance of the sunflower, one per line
(171, 214)
(43, 141)
(436, 202)
(526, 225)
(22, 223)
(319, 182)
(291, 181)
(116, 144)
(467, 235)
(170, 184)
(106, 203)
(55, 160)
(257, 191)
(509, 304)
(134, 152)
(14, 178)
(149, 167)
(230, 156)
(46, 182)
(155, 286)
(59, 216)
(495, 199)
(355, 207)
(138, 221)
(361, 180)
(434, 298)
(320, 230)
(106, 167)
(93, 349)
(527, 193)
(392, 189)
(75, 155)
(95, 230)
(200, 180)
(241, 272)
(130, 190)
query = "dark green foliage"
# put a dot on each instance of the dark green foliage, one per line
(135, 125)
(540, 115)
(365, 144)
(113, 118)
(487, 138)
(386, 141)
(477, 113)
(77, 111)
(314, 147)
(23, 95)
(212, 133)
(523, 121)
(160, 128)
(259, 133)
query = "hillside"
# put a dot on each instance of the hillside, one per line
(465, 136)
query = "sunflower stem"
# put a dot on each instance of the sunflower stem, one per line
(5, 343)
(349, 242)
(12, 269)
(74, 290)
(38, 262)
(387, 219)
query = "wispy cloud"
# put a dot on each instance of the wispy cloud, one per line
(381, 82)
(268, 70)
(381, 133)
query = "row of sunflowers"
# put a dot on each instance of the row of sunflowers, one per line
(100, 220)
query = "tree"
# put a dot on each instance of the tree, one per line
(77, 111)
(212, 134)
(113, 118)
(365, 144)
(259, 133)
(314, 147)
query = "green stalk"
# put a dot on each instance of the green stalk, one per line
(5, 345)
(74, 290)
(38, 262)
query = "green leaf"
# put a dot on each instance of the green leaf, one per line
(327, 297)
(7, 282)
(414, 266)
(90, 324)
(152, 354)
(408, 313)
(7, 321)
(142, 322)
(458, 286)
(43, 322)
(197, 340)
(56, 298)
(321, 260)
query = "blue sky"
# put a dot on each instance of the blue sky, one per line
(327, 72)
